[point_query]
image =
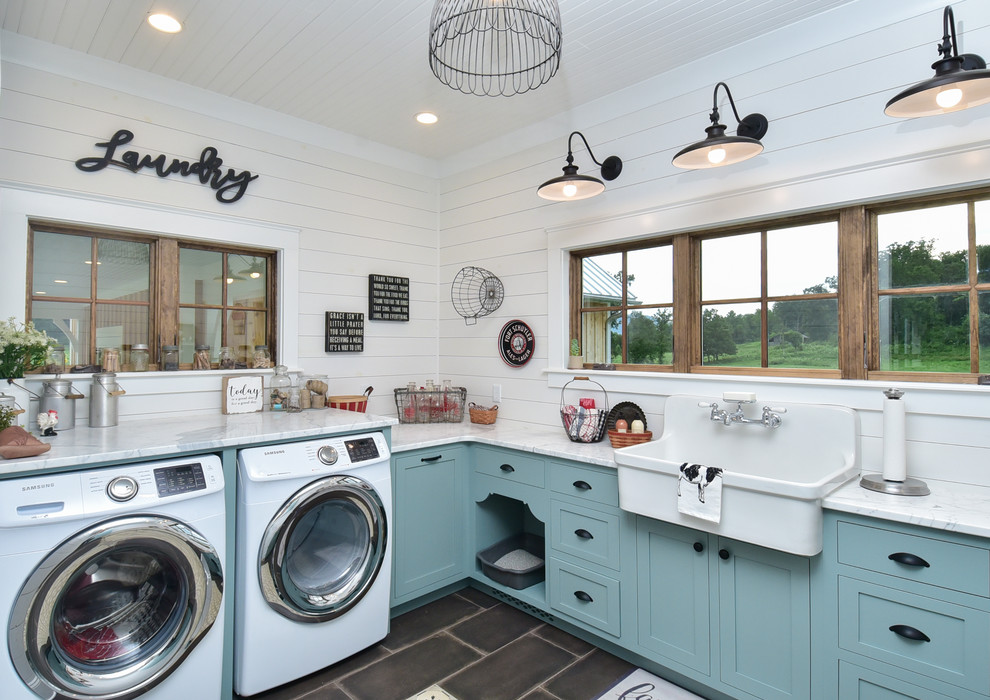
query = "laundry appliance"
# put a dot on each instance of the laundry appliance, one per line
(313, 556)
(112, 582)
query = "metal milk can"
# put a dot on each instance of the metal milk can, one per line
(103, 400)
(58, 396)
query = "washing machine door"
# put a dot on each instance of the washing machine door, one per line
(323, 549)
(112, 611)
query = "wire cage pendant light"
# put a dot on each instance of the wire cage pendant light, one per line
(495, 47)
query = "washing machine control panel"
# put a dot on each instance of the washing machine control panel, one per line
(180, 478)
(327, 454)
(362, 449)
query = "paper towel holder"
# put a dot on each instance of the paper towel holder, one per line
(908, 487)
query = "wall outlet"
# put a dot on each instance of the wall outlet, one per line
(496, 392)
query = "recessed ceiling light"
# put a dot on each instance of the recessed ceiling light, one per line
(165, 23)
(427, 118)
(39, 293)
(60, 281)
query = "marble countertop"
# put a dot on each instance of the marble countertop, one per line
(951, 506)
(135, 440)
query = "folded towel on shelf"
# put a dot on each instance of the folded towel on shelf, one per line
(705, 502)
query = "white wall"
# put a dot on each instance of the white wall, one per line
(335, 216)
(823, 85)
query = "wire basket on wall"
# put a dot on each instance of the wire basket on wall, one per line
(476, 292)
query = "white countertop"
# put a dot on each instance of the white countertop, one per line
(951, 506)
(158, 437)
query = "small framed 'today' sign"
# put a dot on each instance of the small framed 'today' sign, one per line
(243, 394)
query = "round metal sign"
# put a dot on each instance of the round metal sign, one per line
(516, 343)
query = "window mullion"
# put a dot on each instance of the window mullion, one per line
(687, 303)
(974, 299)
(857, 294)
(168, 300)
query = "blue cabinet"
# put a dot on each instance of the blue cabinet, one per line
(429, 522)
(734, 612)
(905, 611)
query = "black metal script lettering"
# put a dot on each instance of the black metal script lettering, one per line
(229, 186)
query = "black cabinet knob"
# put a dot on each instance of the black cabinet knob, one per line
(507, 468)
(909, 559)
(698, 547)
(584, 534)
(582, 485)
(909, 632)
(723, 553)
(583, 597)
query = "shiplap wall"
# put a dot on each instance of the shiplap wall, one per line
(823, 85)
(334, 216)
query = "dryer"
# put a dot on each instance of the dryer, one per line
(313, 556)
(113, 582)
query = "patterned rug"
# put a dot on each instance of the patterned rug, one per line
(640, 685)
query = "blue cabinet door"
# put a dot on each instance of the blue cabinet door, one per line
(674, 600)
(429, 522)
(764, 620)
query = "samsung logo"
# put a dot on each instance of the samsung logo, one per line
(274, 452)
(35, 487)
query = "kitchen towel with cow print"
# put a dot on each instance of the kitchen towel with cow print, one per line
(699, 491)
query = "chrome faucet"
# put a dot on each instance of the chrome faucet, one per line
(769, 419)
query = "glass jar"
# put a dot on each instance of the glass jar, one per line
(278, 395)
(262, 358)
(170, 358)
(110, 359)
(201, 358)
(140, 357)
(226, 358)
(318, 389)
(56, 360)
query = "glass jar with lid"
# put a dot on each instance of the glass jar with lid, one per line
(170, 358)
(226, 359)
(56, 360)
(110, 359)
(278, 395)
(201, 358)
(262, 358)
(140, 357)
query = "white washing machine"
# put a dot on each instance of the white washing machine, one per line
(314, 556)
(113, 582)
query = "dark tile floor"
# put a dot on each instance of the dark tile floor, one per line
(475, 648)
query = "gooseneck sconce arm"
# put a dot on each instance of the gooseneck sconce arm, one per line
(719, 149)
(570, 185)
(960, 81)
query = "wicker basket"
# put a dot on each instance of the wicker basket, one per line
(482, 415)
(626, 439)
(355, 402)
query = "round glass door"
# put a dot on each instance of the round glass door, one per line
(323, 549)
(112, 611)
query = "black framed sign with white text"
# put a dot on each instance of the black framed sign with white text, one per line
(388, 298)
(345, 332)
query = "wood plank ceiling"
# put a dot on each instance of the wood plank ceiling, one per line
(360, 66)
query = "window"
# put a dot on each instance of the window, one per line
(100, 289)
(898, 290)
(626, 311)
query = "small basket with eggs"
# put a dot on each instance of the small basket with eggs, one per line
(625, 433)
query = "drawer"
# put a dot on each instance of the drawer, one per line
(586, 534)
(511, 466)
(586, 484)
(584, 595)
(949, 565)
(857, 683)
(958, 638)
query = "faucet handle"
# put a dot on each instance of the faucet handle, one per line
(775, 410)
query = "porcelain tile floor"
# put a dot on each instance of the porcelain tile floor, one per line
(472, 646)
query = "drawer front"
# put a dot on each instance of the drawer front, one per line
(587, 484)
(857, 683)
(585, 595)
(949, 565)
(511, 466)
(958, 638)
(587, 534)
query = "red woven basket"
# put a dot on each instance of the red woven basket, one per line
(353, 402)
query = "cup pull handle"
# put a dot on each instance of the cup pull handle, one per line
(507, 468)
(909, 559)
(582, 485)
(584, 534)
(583, 597)
(909, 632)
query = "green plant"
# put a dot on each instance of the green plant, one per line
(7, 416)
(575, 348)
(22, 347)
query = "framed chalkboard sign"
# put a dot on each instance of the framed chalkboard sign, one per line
(345, 332)
(388, 298)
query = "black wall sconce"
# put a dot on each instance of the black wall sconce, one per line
(717, 149)
(570, 185)
(961, 81)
